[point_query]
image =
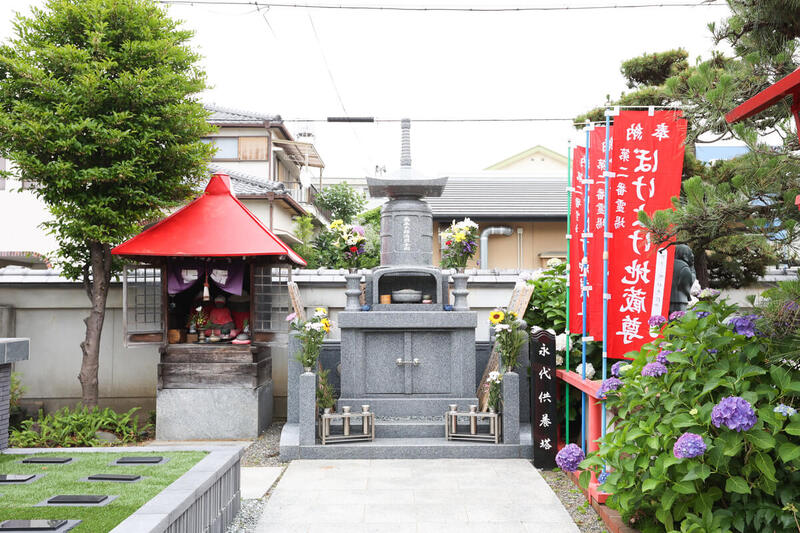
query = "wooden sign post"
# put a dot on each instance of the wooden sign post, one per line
(542, 352)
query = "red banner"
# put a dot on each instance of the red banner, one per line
(647, 160)
(597, 161)
(575, 243)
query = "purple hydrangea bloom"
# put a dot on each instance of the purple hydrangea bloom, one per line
(734, 413)
(608, 385)
(745, 325)
(689, 445)
(602, 477)
(359, 230)
(675, 315)
(656, 321)
(702, 314)
(654, 369)
(785, 410)
(569, 457)
(661, 357)
(615, 368)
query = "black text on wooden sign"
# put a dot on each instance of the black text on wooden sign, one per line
(543, 399)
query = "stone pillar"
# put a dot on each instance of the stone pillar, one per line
(11, 350)
(7, 321)
(460, 292)
(293, 379)
(307, 400)
(510, 390)
(353, 291)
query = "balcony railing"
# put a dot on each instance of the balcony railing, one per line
(306, 196)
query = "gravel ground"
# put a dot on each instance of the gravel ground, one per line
(264, 451)
(248, 517)
(582, 513)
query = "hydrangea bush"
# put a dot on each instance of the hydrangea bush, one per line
(709, 441)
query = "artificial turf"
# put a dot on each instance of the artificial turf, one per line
(17, 500)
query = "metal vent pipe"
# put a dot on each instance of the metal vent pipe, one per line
(485, 234)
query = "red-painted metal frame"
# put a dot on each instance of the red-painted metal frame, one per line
(594, 420)
(788, 86)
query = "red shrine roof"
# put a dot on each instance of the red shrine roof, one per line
(214, 225)
(790, 85)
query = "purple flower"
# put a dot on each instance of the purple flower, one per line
(615, 368)
(569, 457)
(654, 370)
(785, 410)
(657, 321)
(608, 385)
(745, 325)
(661, 357)
(675, 315)
(688, 446)
(359, 230)
(602, 477)
(734, 413)
(702, 314)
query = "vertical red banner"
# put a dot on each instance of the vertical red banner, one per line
(575, 243)
(597, 160)
(647, 161)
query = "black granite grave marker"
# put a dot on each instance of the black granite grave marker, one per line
(47, 460)
(84, 499)
(32, 525)
(139, 460)
(543, 398)
(114, 477)
(16, 478)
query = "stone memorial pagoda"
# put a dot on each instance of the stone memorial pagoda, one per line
(408, 352)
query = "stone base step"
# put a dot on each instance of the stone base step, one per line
(404, 448)
(409, 427)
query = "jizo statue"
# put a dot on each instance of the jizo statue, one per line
(683, 277)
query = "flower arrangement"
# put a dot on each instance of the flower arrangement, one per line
(311, 333)
(350, 241)
(510, 336)
(198, 319)
(459, 243)
(493, 382)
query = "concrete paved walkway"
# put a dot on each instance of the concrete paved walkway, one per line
(414, 496)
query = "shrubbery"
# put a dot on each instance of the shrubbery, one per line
(68, 428)
(713, 444)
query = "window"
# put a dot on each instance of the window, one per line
(227, 147)
(271, 296)
(142, 312)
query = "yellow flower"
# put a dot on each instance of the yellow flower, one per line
(336, 223)
(512, 314)
(460, 236)
(496, 317)
(321, 311)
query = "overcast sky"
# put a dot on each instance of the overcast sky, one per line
(426, 65)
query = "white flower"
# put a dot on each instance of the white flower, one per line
(467, 223)
(624, 368)
(554, 262)
(531, 275)
(561, 342)
(502, 327)
(590, 372)
(320, 314)
(559, 360)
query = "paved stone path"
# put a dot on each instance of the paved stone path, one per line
(414, 496)
(256, 480)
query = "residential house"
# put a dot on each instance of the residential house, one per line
(523, 197)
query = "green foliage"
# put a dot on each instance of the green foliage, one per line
(98, 111)
(304, 230)
(16, 391)
(547, 308)
(744, 479)
(325, 394)
(654, 69)
(320, 250)
(510, 335)
(311, 334)
(342, 201)
(739, 260)
(68, 428)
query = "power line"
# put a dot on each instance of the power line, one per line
(460, 9)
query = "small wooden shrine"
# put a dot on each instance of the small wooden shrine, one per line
(207, 285)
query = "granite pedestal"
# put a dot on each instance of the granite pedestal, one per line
(11, 351)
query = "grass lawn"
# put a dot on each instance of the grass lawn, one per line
(17, 500)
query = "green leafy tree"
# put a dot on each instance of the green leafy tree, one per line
(304, 230)
(97, 111)
(343, 201)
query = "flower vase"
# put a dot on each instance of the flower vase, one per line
(460, 291)
(353, 290)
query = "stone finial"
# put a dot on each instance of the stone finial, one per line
(405, 142)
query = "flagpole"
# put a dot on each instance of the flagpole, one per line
(585, 280)
(569, 267)
(606, 174)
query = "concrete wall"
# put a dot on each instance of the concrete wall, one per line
(523, 250)
(51, 315)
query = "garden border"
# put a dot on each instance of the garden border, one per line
(205, 498)
(611, 518)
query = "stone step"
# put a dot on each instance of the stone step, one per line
(405, 448)
(407, 427)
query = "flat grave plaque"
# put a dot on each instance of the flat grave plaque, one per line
(140, 460)
(32, 525)
(47, 460)
(16, 478)
(114, 477)
(83, 499)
